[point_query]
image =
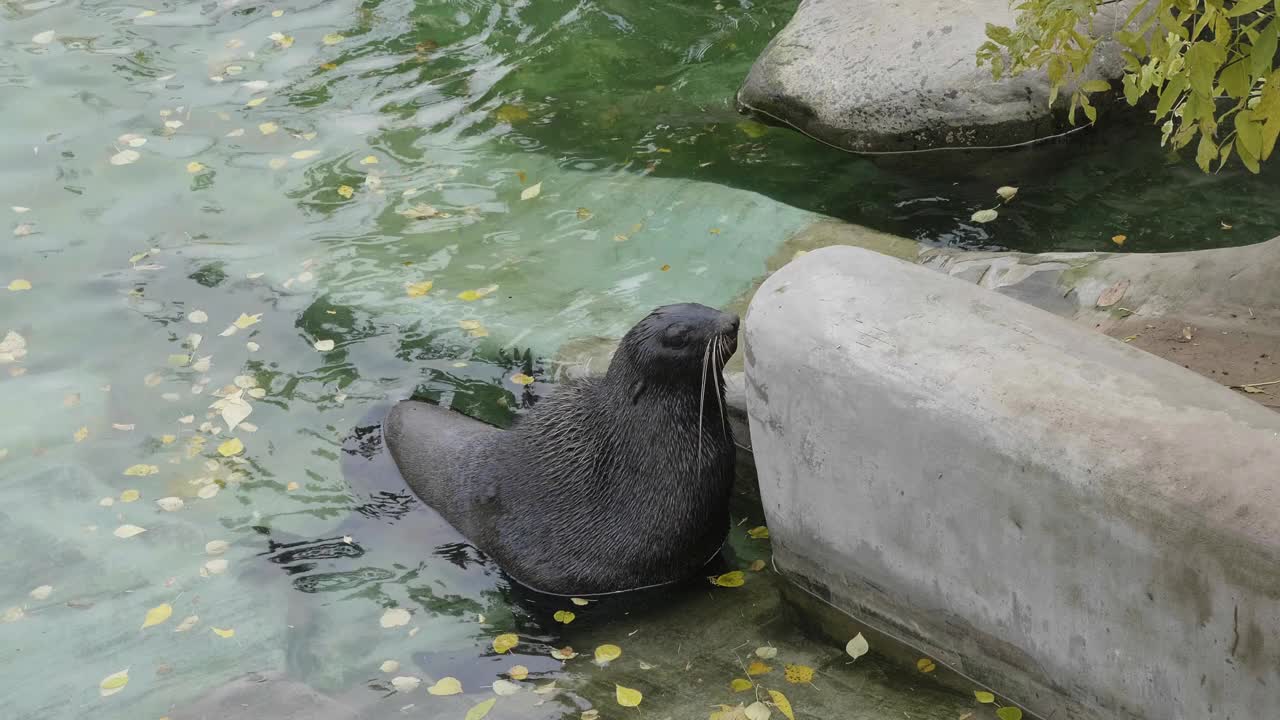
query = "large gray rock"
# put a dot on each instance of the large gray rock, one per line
(901, 75)
(1084, 526)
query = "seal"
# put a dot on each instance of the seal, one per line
(609, 483)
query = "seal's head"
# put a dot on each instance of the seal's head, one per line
(680, 343)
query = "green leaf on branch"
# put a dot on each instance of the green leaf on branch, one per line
(1094, 86)
(1244, 7)
(1206, 152)
(1263, 53)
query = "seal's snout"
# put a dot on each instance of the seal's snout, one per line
(728, 324)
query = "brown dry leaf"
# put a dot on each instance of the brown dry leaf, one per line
(757, 668)
(1113, 294)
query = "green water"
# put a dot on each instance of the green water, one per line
(553, 170)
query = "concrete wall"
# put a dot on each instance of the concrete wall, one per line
(1088, 528)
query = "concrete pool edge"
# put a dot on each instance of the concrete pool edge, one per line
(1142, 567)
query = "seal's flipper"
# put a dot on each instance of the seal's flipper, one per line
(430, 445)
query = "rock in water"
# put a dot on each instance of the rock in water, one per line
(610, 483)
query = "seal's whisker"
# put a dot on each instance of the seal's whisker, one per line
(702, 393)
(719, 372)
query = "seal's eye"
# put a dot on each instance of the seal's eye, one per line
(676, 335)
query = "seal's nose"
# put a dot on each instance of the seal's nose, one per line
(729, 324)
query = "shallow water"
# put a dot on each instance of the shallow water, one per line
(307, 170)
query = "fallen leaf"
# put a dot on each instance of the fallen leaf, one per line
(564, 653)
(857, 647)
(757, 668)
(518, 672)
(141, 470)
(129, 496)
(756, 565)
(81, 434)
(757, 711)
(41, 593)
(13, 614)
(405, 683)
(236, 132)
(730, 579)
(665, 268)
(170, 504)
(124, 157)
(389, 666)
(395, 617)
(19, 285)
(267, 128)
(332, 39)
(1113, 294)
(984, 216)
(157, 615)
(608, 653)
(369, 160)
(505, 687)
(292, 486)
(473, 295)
(758, 533)
(521, 379)
(231, 447)
(23, 230)
(113, 683)
(481, 709)
(1006, 192)
(277, 163)
(511, 114)
(446, 686)
(187, 623)
(346, 191)
(421, 211)
(797, 674)
(216, 566)
(926, 665)
(579, 602)
(194, 167)
(208, 491)
(146, 14)
(220, 632)
(216, 547)
(305, 154)
(740, 685)
(1009, 713)
(173, 124)
(564, 616)
(324, 345)
(1119, 239)
(627, 697)
(245, 320)
(418, 289)
(128, 531)
(531, 192)
(277, 13)
(781, 702)
(984, 697)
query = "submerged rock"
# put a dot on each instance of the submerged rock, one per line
(903, 76)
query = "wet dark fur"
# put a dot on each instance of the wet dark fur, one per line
(609, 483)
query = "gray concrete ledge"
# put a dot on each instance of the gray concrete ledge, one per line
(1085, 526)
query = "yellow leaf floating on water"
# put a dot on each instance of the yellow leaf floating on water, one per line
(446, 686)
(277, 163)
(369, 160)
(127, 531)
(480, 710)
(608, 653)
(740, 685)
(857, 647)
(511, 114)
(756, 565)
(81, 434)
(267, 128)
(473, 295)
(418, 289)
(405, 683)
(564, 616)
(141, 470)
(231, 447)
(255, 102)
(627, 697)
(113, 683)
(781, 702)
(223, 633)
(346, 191)
(984, 697)
(324, 345)
(730, 579)
(584, 214)
(505, 643)
(1009, 713)
(564, 653)
(157, 615)
(245, 320)
(395, 617)
(759, 533)
(292, 486)
(518, 672)
(194, 167)
(332, 39)
(531, 192)
(798, 674)
(579, 602)
(305, 154)
(757, 668)
(521, 379)
(984, 216)
(926, 665)
(129, 496)
(505, 687)
(19, 285)
(1006, 192)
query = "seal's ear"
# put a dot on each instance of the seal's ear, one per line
(636, 391)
